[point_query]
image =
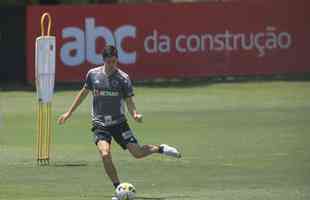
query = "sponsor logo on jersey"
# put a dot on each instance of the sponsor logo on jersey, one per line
(106, 93)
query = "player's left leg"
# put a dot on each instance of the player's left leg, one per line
(104, 148)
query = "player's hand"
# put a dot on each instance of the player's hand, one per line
(138, 117)
(63, 118)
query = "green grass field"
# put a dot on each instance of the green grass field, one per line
(240, 141)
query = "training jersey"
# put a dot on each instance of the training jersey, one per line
(109, 93)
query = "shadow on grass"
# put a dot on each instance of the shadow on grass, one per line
(156, 198)
(150, 198)
(69, 165)
(139, 198)
(163, 198)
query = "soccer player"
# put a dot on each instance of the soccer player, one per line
(111, 89)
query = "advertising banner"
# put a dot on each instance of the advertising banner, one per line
(178, 40)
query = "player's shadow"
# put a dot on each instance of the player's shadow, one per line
(157, 198)
(162, 198)
(143, 198)
(70, 164)
(150, 198)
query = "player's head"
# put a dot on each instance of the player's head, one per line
(109, 55)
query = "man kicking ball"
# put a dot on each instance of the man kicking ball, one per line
(111, 87)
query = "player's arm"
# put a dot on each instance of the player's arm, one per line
(131, 106)
(77, 101)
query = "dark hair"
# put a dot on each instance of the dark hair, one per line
(109, 51)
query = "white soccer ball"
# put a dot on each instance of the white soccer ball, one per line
(125, 191)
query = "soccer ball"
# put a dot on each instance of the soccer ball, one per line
(125, 191)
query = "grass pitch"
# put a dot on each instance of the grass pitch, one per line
(239, 141)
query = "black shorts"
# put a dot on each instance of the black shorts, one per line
(121, 133)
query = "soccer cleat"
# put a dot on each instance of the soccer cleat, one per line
(170, 151)
(115, 198)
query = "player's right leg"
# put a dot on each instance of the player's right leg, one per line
(124, 136)
(138, 151)
(104, 148)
